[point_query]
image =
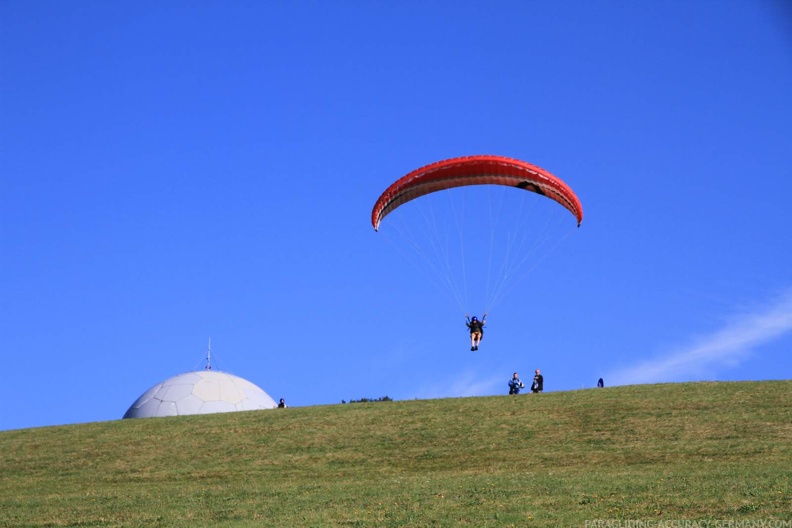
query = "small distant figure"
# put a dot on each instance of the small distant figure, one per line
(538, 382)
(600, 383)
(282, 404)
(476, 329)
(515, 384)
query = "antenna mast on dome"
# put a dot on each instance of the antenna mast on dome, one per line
(209, 356)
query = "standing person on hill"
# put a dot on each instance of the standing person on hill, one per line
(476, 330)
(515, 384)
(538, 382)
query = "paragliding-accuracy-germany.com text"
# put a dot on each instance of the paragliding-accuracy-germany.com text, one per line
(687, 523)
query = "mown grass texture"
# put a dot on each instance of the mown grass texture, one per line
(671, 451)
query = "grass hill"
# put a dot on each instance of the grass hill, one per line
(698, 451)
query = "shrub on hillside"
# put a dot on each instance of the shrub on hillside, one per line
(365, 400)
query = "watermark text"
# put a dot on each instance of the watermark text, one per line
(686, 523)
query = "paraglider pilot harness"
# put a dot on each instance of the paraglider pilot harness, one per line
(475, 325)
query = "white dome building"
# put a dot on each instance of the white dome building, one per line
(200, 392)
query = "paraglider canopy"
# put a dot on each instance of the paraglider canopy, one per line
(482, 233)
(475, 170)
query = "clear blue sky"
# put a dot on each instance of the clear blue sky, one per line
(172, 172)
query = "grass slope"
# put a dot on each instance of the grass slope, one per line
(651, 452)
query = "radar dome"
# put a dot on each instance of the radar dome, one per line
(200, 392)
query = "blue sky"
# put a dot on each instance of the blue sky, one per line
(172, 172)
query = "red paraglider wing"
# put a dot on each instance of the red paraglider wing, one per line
(475, 170)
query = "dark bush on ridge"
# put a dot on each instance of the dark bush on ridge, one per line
(365, 400)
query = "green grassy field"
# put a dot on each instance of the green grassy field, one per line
(695, 451)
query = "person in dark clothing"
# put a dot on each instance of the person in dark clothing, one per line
(282, 404)
(538, 382)
(600, 383)
(515, 384)
(476, 330)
